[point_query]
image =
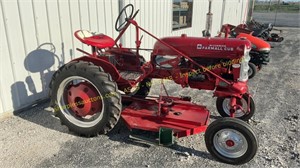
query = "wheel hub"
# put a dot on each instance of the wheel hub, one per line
(241, 104)
(83, 99)
(230, 143)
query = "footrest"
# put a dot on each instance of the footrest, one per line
(130, 75)
(164, 137)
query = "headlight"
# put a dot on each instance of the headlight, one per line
(244, 65)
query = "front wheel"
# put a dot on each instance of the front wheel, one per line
(231, 141)
(85, 98)
(252, 70)
(223, 107)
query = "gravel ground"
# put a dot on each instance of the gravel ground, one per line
(34, 138)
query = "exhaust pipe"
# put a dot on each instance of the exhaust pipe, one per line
(209, 17)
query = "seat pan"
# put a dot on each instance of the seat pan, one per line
(99, 40)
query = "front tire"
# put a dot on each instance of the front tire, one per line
(223, 107)
(252, 70)
(231, 141)
(85, 98)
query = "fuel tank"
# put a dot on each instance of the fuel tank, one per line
(257, 43)
(203, 47)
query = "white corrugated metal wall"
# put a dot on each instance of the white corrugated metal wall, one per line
(37, 36)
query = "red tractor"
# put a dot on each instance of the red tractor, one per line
(260, 49)
(86, 92)
(262, 31)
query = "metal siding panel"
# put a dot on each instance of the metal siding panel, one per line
(231, 12)
(6, 69)
(30, 37)
(199, 17)
(93, 17)
(130, 36)
(36, 81)
(55, 32)
(108, 20)
(14, 33)
(101, 16)
(75, 24)
(66, 31)
(216, 10)
(84, 18)
(84, 14)
(114, 14)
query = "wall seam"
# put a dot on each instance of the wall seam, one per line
(48, 21)
(89, 14)
(71, 27)
(23, 36)
(79, 13)
(104, 17)
(35, 26)
(97, 17)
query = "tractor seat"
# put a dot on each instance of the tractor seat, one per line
(100, 40)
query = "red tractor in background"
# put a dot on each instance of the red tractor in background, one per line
(87, 93)
(259, 48)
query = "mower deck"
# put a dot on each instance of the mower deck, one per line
(183, 117)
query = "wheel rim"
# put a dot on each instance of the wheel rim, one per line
(239, 112)
(230, 143)
(80, 101)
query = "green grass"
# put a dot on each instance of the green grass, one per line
(292, 8)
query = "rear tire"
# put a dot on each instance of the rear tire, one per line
(83, 114)
(231, 141)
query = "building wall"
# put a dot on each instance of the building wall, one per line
(37, 36)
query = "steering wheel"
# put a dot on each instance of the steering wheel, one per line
(127, 17)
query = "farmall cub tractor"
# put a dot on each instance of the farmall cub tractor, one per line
(86, 92)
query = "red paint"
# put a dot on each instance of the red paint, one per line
(184, 117)
(229, 143)
(259, 43)
(100, 41)
(83, 99)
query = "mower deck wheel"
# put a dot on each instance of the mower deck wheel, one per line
(231, 141)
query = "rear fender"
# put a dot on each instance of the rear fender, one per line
(105, 65)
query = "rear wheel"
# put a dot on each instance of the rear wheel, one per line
(252, 70)
(231, 141)
(223, 107)
(85, 98)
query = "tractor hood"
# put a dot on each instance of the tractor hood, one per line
(203, 47)
(257, 43)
